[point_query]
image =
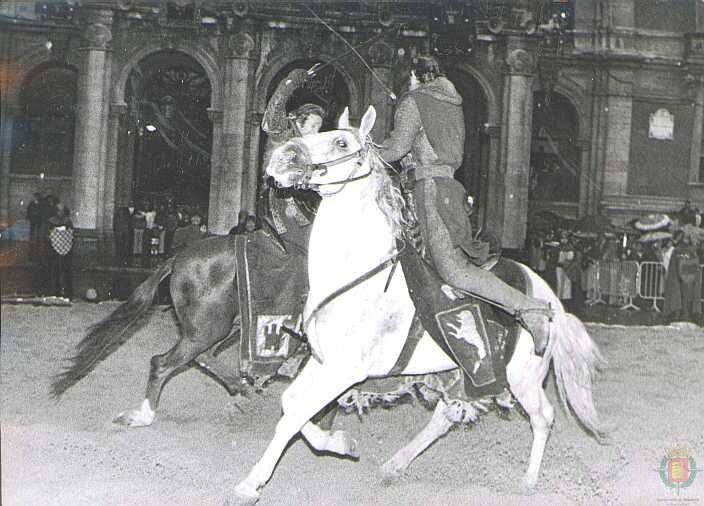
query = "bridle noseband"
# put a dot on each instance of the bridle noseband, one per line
(307, 171)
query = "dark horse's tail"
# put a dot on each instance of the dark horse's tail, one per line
(106, 336)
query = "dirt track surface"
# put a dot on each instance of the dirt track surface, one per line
(203, 441)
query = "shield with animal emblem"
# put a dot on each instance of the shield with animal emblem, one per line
(465, 333)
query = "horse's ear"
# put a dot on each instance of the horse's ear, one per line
(344, 121)
(367, 123)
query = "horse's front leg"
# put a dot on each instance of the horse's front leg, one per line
(338, 442)
(314, 387)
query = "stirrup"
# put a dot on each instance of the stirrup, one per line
(546, 311)
(491, 261)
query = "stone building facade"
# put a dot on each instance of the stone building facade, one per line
(603, 114)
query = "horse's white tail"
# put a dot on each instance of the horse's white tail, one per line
(576, 359)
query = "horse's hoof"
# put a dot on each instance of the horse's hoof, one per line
(142, 417)
(528, 483)
(342, 443)
(390, 473)
(245, 495)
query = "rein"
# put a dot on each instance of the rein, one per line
(390, 261)
(322, 169)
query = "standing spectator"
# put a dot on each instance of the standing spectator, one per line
(122, 229)
(666, 254)
(189, 234)
(60, 257)
(172, 219)
(683, 282)
(565, 261)
(34, 216)
(160, 220)
(139, 224)
(687, 213)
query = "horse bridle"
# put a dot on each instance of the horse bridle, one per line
(307, 171)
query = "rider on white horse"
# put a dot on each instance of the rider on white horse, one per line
(428, 136)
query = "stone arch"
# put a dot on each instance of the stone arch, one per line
(200, 55)
(493, 109)
(30, 65)
(575, 98)
(282, 61)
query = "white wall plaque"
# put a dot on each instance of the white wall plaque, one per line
(662, 124)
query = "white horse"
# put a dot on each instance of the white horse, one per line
(360, 332)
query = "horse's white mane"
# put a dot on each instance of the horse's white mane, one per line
(388, 195)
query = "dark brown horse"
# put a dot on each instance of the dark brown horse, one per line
(203, 289)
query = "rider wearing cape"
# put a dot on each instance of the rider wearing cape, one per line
(272, 263)
(429, 137)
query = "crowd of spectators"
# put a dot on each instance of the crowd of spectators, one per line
(567, 259)
(156, 227)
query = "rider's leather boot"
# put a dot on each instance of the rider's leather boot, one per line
(536, 320)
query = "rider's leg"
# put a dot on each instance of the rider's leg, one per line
(454, 266)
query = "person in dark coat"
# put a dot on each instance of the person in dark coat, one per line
(34, 216)
(429, 137)
(172, 219)
(683, 285)
(121, 225)
(60, 252)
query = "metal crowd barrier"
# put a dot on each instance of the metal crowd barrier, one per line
(620, 282)
(652, 282)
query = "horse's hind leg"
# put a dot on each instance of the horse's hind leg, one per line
(162, 368)
(438, 426)
(526, 373)
(204, 323)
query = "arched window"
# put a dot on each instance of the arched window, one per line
(43, 133)
(555, 155)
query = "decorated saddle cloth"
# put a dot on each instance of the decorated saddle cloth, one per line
(272, 286)
(479, 338)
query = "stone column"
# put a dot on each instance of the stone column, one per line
(238, 76)
(8, 113)
(92, 106)
(696, 149)
(112, 180)
(381, 56)
(585, 181)
(599, 112)
(216, 168)
(255, 172)
(491, 211)
(617, 139)
(515, 140)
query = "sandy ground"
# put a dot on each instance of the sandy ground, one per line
(204, 441)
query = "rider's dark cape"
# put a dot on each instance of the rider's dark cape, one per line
(452, 323)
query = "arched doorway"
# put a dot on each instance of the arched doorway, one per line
(326, 88)
(169, 133)
(43, 132)
(555, 156)
(474, 172)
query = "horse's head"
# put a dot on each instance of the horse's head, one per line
(324, 159)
